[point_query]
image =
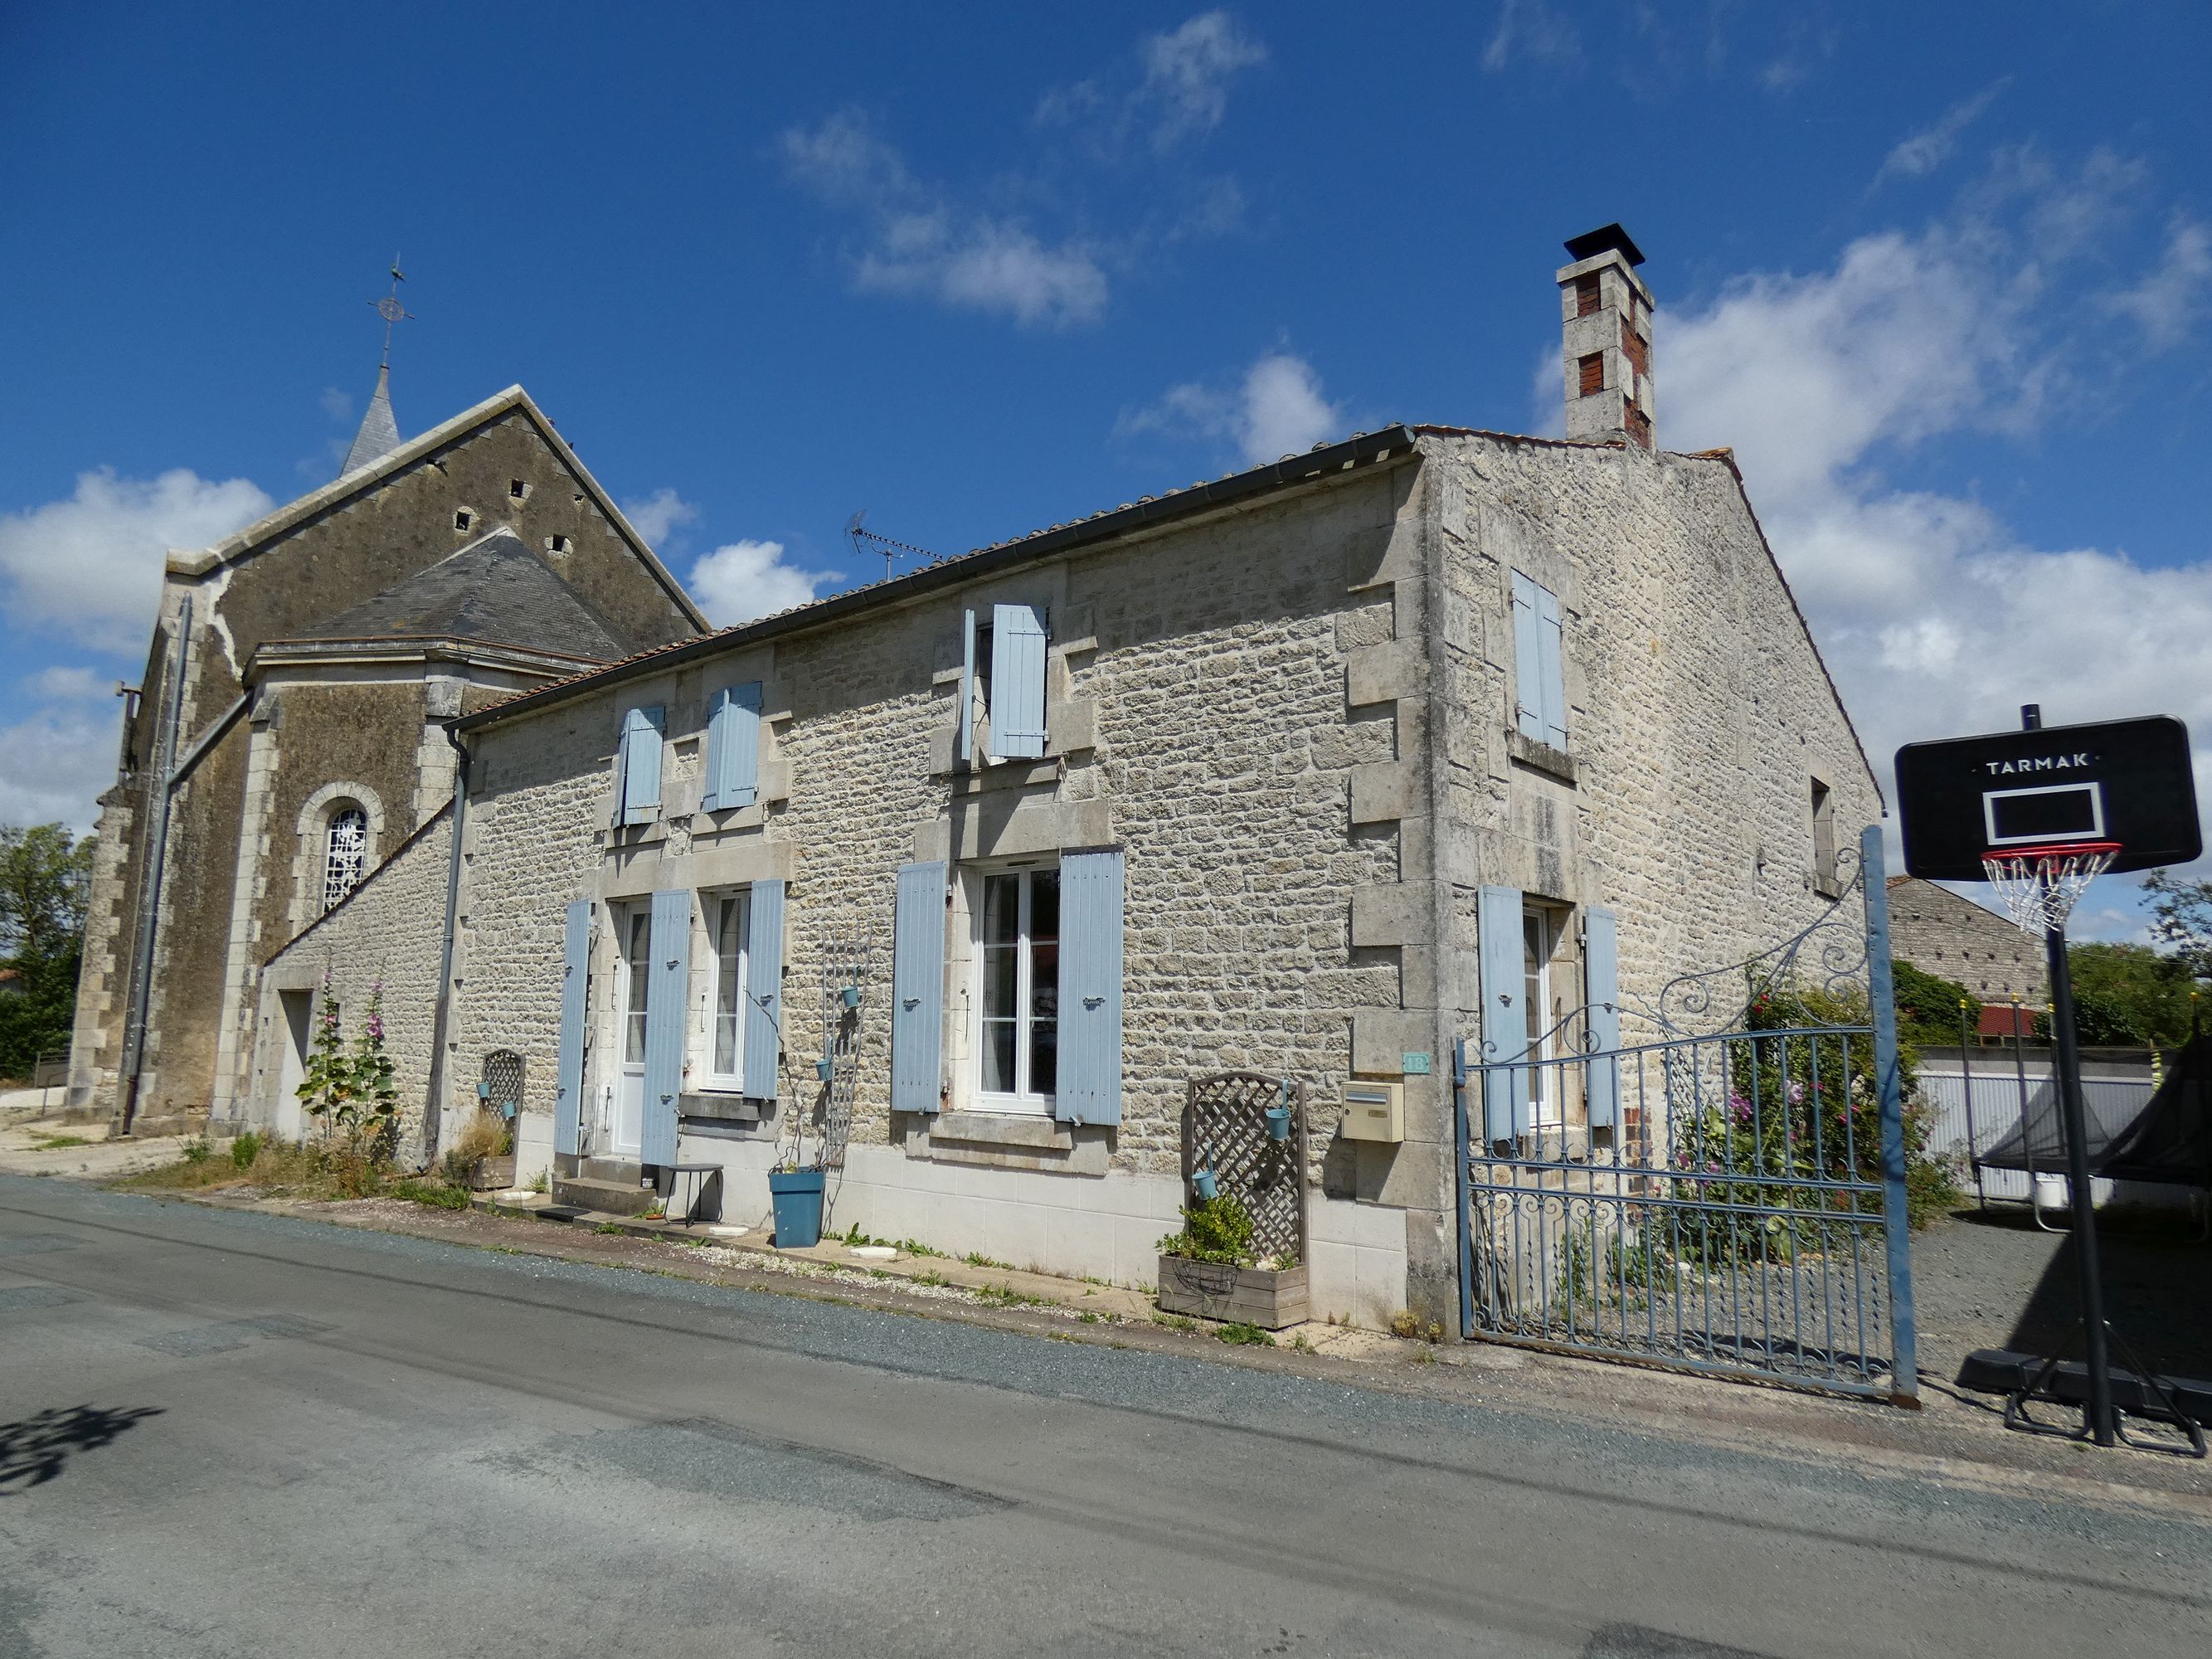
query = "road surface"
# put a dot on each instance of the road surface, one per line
(225, 1433)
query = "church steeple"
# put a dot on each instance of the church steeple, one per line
(379, 433)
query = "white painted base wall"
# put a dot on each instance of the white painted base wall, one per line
(1108, 1227)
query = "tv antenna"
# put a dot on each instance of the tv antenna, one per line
(857, 533)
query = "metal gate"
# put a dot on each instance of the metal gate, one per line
(1726, 1196)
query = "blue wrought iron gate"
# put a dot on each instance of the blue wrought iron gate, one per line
(1725, 1196)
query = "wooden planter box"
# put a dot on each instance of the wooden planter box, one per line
(495, 1173)
(1245, 1296)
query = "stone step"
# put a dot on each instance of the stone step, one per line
(614, 1197)
(609, 1169)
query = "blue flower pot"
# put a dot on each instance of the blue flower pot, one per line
(797, 1195)
(1203, 1183)
(1279, 1123)
(826, 1069)
(851, 995)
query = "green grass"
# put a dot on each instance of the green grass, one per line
(438, 1195)
(977, 1259)
(1174, 1321)
(1003, 1296)
(607, 1227)
(55, 1143)
(1238, 1334)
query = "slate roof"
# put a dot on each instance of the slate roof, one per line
(379, 431)
(494, 590)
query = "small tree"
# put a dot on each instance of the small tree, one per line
(2181, 916)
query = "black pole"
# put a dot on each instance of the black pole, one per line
(2066, 1064)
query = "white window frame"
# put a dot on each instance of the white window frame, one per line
(1546, 1107)
(718, 906)
(1020, 1101)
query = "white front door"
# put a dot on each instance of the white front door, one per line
(635, 979)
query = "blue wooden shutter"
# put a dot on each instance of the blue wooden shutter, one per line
(763, 1053)
(569, 1068)
(733, 748)
(640, 764)
(966, 687)
(1601, 991)
(1088, 1090)
(918, 988)
(1504, 1021)
(1527, 659)
(1018, 643)
(666, 1007)
(1550, 656)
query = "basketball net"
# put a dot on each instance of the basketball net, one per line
(2040, 885)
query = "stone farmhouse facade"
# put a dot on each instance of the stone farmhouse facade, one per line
(288, 736)
(1310, 771)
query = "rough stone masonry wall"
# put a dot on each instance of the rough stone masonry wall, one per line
(1215, 659)
(1698, 708)
(390, 931)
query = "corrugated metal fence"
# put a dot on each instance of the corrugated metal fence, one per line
(2003, 1092)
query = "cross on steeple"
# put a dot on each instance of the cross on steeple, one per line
(380, 432)
(390, 310)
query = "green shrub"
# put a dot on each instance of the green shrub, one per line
(438, 1194)
(246, 1149)
(1217, 1229)
(1239, 1334)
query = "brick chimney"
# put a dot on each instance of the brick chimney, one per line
(1607, 313)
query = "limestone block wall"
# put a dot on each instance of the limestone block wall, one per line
(389, 932)
(1944, 933)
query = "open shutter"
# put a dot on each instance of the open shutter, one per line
(1504, 1021)
(667, 997)
(568, 1069)
(1601, 991)
(918, 988)
(1527, 659)
(641, 765)
(763, 1056)
(966, 687)
(733, 748)
(1089, 1089)
(1549, 643)
(1018, 643)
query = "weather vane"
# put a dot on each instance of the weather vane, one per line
(390, 310)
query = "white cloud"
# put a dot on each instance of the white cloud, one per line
(337, 404)
(1936, 617)
(1534, 30)
(54, 764)
(1928, 150)
(1187, 74)
(1277, 409)
(91, 566)
(917, 242)
(2168, 302)
(656, 515)
(60, 683)
(747, 580)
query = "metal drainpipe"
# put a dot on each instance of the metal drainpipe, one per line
(434, 1101)
(158, 791)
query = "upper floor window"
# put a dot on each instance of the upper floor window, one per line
(1826, 882)
(345, 853)
(1002, 683)
(1018, 957)
(1540, 675)
(637, 766)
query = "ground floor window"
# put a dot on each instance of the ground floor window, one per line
(1539, 939)
(729, 921)
(1017, 952)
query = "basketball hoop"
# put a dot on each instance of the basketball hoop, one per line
(2040, 885)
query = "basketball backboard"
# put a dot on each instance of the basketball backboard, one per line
(1967, 799)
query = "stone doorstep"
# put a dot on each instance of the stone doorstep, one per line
(1047, 1287)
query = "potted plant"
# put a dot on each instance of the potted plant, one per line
(796, 1194)
(1208, 1270)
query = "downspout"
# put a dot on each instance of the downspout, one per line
(433, 1096)
(159, 790)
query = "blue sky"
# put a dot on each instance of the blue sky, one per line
(1940, 274)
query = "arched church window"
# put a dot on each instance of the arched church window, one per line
(345, 854)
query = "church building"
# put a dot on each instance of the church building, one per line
(289, 734)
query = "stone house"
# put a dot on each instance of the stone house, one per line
(289, 734)
(1310, 771)
(1948, 935)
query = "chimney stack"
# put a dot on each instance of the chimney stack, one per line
(1605, 310)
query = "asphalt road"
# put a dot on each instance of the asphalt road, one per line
(226, 1433)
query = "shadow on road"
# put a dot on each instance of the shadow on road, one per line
(2154, 1283)
(35, 1450)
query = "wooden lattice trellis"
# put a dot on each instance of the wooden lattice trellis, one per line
(501, 1091)
(1225, 1127)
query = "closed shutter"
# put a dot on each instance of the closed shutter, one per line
(1017, 643)
(640, 765)
(1527, 659)
(733, 748)
(966, 687)
(918, 988)
(1088, 1090)
(1504, 1021)
(667, 996)
(575, 1009)
(1601, 991)
(1552, 679)
(763, 1056)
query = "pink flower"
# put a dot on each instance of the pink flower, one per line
(1796, 1094)
(1740, 1108)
